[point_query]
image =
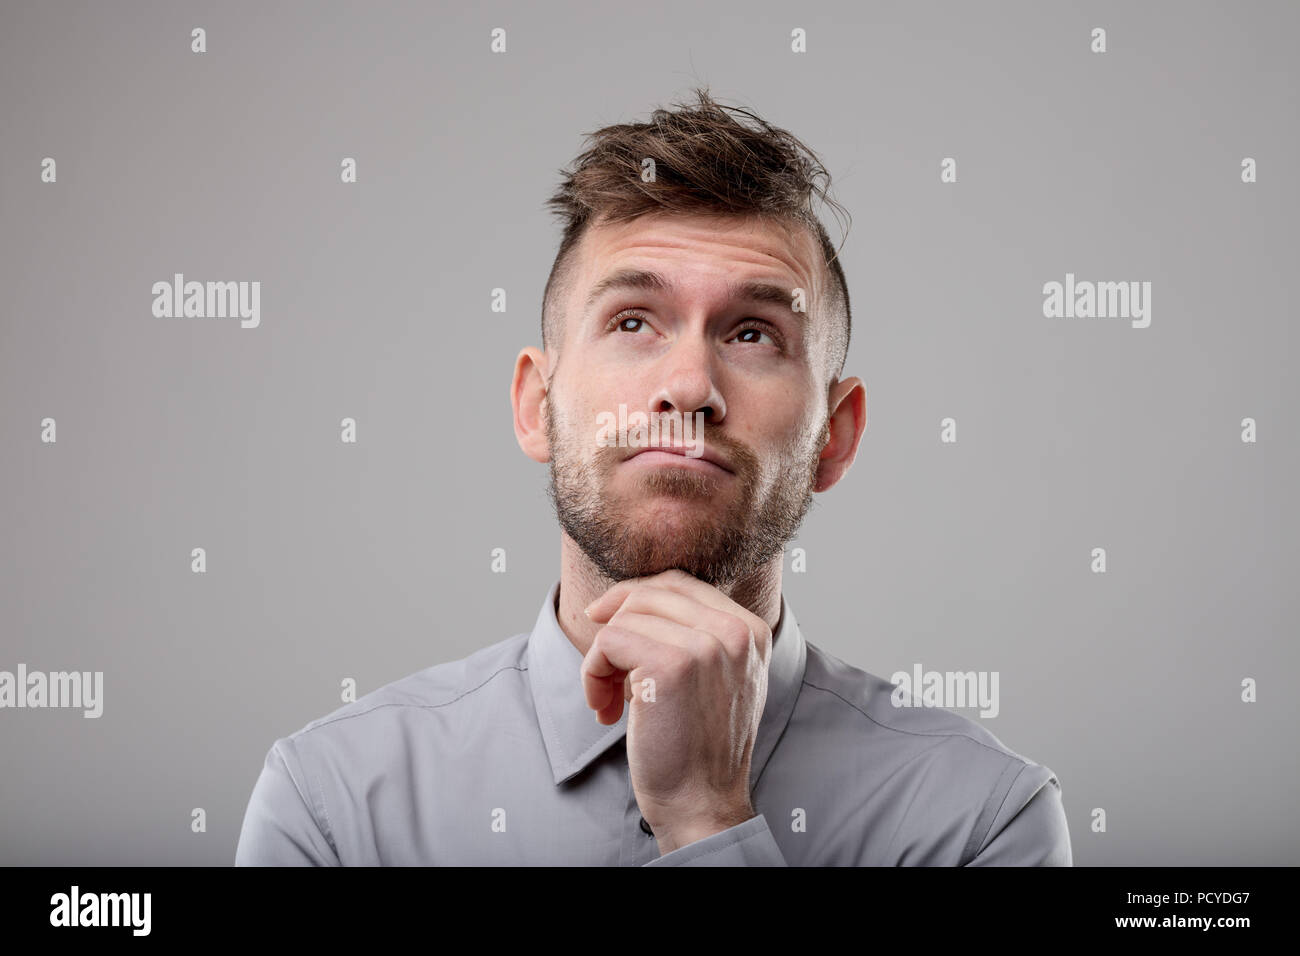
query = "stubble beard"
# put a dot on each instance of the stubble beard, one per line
(630, 535)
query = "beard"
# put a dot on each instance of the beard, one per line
(736, 524)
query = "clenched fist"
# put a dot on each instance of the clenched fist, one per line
(691, 664)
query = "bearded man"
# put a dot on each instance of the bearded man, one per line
(665, 708)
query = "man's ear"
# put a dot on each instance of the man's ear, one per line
(528, 397)
(847, 406)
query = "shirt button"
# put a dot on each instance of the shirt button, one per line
(645, 828)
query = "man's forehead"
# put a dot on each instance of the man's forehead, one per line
(785, 254)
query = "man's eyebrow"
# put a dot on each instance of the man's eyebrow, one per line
(762, 292)
(628, 279)
(639, 279)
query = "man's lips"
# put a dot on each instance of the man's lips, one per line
(708, 454)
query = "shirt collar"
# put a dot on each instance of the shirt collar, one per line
(569, 727)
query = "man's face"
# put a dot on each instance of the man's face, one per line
(754, 366)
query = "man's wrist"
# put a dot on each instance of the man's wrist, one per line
(674, 835)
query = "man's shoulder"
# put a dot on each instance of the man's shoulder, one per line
(969, 798)
(439, 687)
(875, 712)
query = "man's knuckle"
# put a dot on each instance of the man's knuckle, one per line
(737, 633)
(678, 662)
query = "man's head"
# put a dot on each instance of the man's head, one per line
(693, 279)
(698, 159)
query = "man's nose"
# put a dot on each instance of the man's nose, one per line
(688, 383)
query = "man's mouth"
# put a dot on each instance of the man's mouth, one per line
(676, 456)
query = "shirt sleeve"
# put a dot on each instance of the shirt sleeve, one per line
(1029, 826)
(747, 844)
(280, 826)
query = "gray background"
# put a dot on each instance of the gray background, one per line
(372, 560)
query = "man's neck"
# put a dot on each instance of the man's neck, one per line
(581, 583)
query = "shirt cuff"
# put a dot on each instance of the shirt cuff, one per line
(747, 844)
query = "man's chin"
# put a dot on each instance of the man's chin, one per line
(655, 558)
(670, 517)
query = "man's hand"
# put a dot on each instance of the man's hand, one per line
(692, 665)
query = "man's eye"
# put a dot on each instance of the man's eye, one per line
(753, 331)
(621, 323)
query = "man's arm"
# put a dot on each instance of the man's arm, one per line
(280, 827)
(1029, 827)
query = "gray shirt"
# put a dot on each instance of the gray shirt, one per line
(497, 760)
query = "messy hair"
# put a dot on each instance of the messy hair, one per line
(708, 158)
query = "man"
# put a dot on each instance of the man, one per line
(665, 709)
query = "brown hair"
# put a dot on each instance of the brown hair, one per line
(707, 160)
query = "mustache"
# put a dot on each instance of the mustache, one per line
(738, 456)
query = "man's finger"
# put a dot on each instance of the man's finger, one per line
(605, 606)
(614, 655)
(733, 630)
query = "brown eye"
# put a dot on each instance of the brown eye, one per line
(753, 331)
(620, 322)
